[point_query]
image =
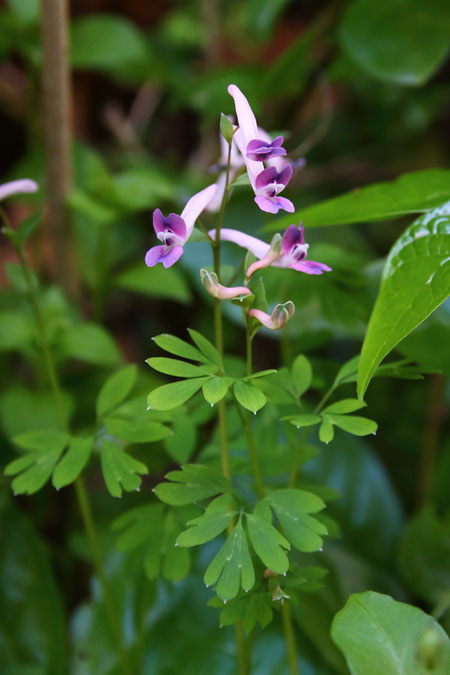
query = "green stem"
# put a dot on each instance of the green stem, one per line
(246, 424)
(297, 459)
(241, 655)
(82, 496)
(289, 639)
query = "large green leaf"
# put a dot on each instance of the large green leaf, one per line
(413, 192)
(71, 465)
(379, 635)
(416, 280)
(400, 41)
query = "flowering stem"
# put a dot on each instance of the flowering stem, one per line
(80, 489)
(247, 425)
(289, 639)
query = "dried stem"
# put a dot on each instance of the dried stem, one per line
(56, 92)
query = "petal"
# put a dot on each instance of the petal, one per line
(285, 175)
(195, 206)
(256, 246)
(266, 177)
(177, 225)
(244, 114)
(154, 255)
(263, 318)
(253, 168)
(268, 205)
(277, 142)
(172, 256)
(17, 187)
(285, 204)
(158, 221)
(291, 237)
(310, 267)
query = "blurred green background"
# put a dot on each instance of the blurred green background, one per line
(360, 90)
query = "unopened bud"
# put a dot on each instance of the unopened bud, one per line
(211, 283)
(283, 313)
(226, 128)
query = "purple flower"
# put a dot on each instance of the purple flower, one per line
(268, 184)
(290, 253)
(174, 231)
(17, 187)
(266, 196)
(262, 150)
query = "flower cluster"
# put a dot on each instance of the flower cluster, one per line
(269, 173)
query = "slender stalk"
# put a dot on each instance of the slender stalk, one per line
(242, 659)
(246, 424)
(289, 639)
(297, 459)
(57, 104)
(80, 489)
(241, 651)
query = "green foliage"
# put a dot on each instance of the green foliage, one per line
(232, 567)
(73, 462)
(193, 483)
(301, 374)
(110, 43)
(172, 395)
(416, 192)
(181, 443)
(154, 531)
(374, 628)
(120, 470)
(416, 280)
(208, 526)
(292, 508)
(383, 39)
(91, 343)
(216, 388)
(249, 396)
(116, 388)
(424, 557)
(32, 621)
(34, 468)
(268, 543)
(155, 282)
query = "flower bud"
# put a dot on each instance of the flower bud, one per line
(211, 283)
(278, 318)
